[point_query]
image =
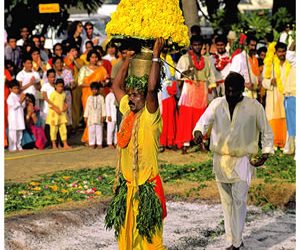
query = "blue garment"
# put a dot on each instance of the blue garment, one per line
(290, 112)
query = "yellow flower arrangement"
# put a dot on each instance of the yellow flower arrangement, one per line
(144, 19)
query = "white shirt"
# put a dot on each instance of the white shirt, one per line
(25, 78)
(49, 90)
(109, 57)
(15, 112)
(111, 110)
(231, 140)
(94, 110)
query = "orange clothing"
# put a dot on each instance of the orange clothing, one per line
(87, 76)
(279, 131)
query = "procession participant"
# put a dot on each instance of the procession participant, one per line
(194, 95)
(220, 64)
(168, 103)
(275, 76)
(290, 101)
(139, 184)
(246, 64)
(235, 122)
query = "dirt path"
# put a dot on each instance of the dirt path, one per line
(28, 164)
(188, 226)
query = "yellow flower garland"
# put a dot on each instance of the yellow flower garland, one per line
(268, 61)
(277, 70)
(146, 19)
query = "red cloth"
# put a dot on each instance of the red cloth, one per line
(169, 122)
(158, 189)
(188, 117)
(107, 65)
(6, 94)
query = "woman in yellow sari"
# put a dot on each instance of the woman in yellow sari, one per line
(87, 75)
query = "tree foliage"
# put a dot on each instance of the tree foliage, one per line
(19, 13)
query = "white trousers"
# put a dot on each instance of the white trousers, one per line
(234, 200)
(14, 139)
(111, 133)
(95, 134)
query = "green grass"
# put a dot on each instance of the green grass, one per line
(85, 184)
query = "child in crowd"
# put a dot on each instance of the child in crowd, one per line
(47, 89)
(33, 135)
(94, 116)
(57, 118)
(111, 118)
(29, 79)
(16, 124)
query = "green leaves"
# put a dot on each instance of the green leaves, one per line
(116, 212)
(138, 83)
(149, 219)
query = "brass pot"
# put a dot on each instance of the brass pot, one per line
(140, 64)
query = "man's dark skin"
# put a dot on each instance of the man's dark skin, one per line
(233, 94)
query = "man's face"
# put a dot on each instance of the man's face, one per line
(252, 47)
(233, 93)
(281, 53)
(220, 47)
(58, 65)
(136, 100)
(12, 43)
(37, 42)
(35, 56)
(89, 30)
(124, 53)
(73, 53)
(111, 51)
(262, 55)
(24, 33)
(197, 47)
(58, 50)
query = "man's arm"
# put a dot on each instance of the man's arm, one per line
(266, 137)
(118, 82)
(154, 77)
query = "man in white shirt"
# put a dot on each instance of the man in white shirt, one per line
(220, 64)
(235, 122)
(246, 64)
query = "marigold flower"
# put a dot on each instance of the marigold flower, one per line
(33, 183)
(144, 19)
(54, 188)
(98, 193)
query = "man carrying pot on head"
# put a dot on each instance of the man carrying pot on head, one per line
(139, 185)
(235, 122)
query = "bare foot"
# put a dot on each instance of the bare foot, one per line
(92, 146)
(54, 147)
(99, 146)
(66, 146)
(111, 146)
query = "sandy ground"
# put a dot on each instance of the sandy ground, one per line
(188, 226)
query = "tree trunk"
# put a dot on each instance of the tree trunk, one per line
(190, 12)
